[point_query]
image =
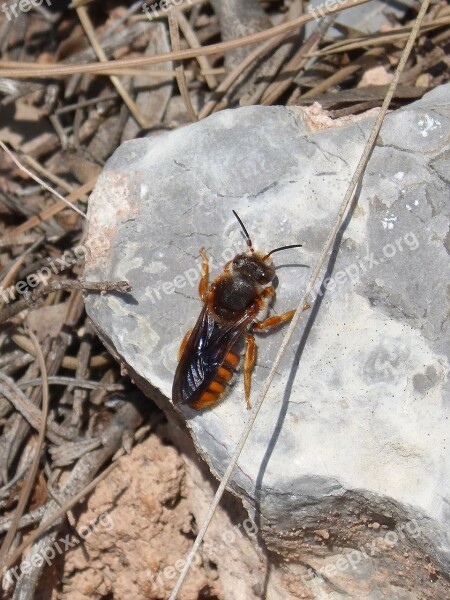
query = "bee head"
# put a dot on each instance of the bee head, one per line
(254, 265)
(257, 267)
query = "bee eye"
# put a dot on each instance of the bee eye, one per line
(239, 261)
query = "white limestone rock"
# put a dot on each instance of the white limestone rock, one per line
(354, 435)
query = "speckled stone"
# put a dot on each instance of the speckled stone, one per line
(357, 422)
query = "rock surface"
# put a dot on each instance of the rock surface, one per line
(352, 442)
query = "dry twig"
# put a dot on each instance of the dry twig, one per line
(26, 490)
(101, 287)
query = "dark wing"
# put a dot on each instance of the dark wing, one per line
(204, 353)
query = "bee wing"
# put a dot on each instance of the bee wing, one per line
(205, 351)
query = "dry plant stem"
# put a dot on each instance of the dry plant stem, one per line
(53, 210)
(7, 280)
(377, 39)
(39, 180)
(54, 286)
(359, 172)
(34, 164)
(191, 38)
(29, 519)
(341, 75)
(59, 130)
(68, 362)
(10, 276)
(27, 70)
(90, 33)
(225, 85)
(21, 240)
(85, 103)
(78, 117)
(120, 21)
(185, 6)
(334, 79)
(31, 413)
(297, 63)
(26, 490)
(14, 360)
(169, 74)
(55, 351)
(82, 371)
(78, 383)
(179, 69)
(268, 71)
(17, 430)
(98, 396)
(26, 584)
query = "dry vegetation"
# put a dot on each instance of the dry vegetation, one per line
(74, 83)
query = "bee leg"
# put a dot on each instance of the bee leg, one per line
(183, 343)
(203, 285)
(249, 363)
(269, 292)
(276, 320)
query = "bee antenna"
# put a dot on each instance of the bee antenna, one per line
(247, 237)
(283, 248)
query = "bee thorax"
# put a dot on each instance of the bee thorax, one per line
(233, 295)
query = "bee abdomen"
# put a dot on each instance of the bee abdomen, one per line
(216, 388)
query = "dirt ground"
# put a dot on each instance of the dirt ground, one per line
(151, 506)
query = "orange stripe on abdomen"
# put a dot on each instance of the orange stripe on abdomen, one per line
(224, 374)
(232, 360)
(210, 396)
(216, 387)
(206, 399)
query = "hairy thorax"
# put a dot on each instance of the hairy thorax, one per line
(233, 295)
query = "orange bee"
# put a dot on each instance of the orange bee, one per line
(231, 308)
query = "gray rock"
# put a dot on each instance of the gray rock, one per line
(352, 441)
